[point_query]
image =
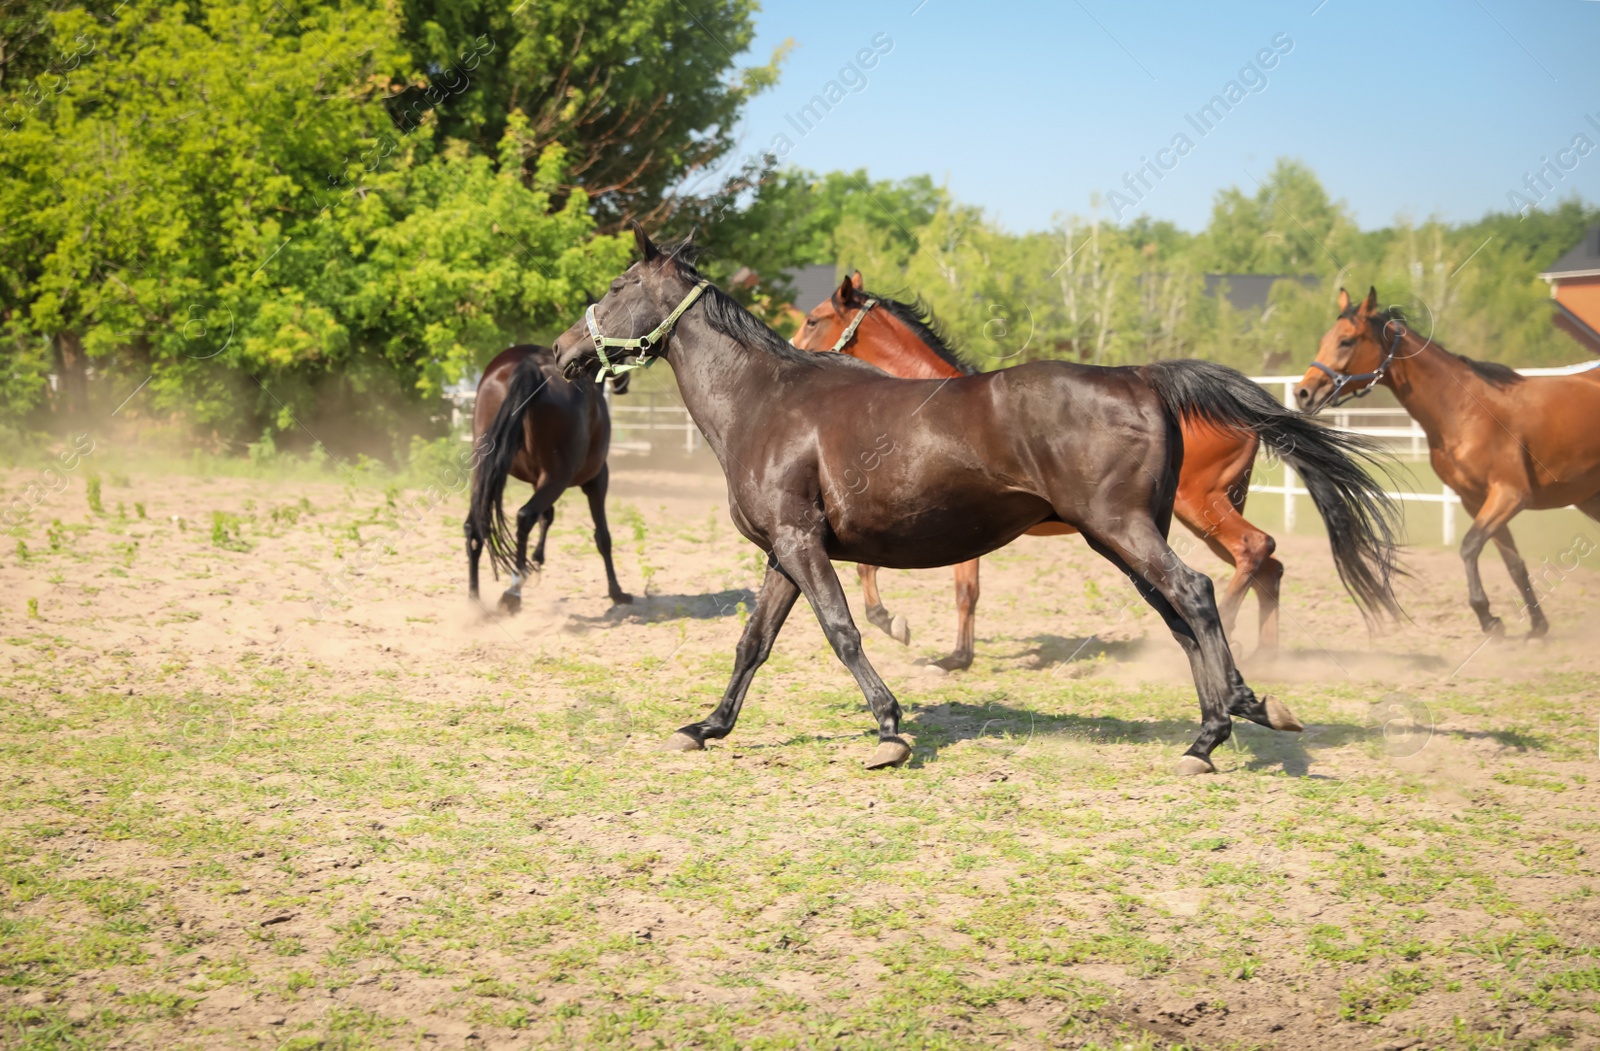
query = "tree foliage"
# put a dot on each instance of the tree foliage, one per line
(1091, 291)
(248, 203)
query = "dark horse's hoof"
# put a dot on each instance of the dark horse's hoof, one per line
(682, 742)
(891, 751)
(511, 603)
(621, 598)
(1494, 627)
(1279, 717)
(1191, 765)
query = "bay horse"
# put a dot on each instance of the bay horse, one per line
(1502, 441)
(827, 457)
(903, 340)
(532, 423)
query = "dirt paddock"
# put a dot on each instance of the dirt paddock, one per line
(270, 780)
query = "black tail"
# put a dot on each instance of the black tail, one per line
(1360, 517)
(497, 448)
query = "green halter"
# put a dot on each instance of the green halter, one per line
(850, 330)
(643, 344)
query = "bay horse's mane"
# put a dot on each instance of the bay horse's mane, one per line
(1492, 372)
(729, 317)
(918, 317)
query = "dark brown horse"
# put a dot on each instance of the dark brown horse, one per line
(530, 422)
(829, 458)
(1504, 442)
(901, 339)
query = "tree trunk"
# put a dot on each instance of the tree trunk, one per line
(72, 370)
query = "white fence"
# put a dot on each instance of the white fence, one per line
(663, 413)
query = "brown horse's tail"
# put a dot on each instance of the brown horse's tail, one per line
(1361, 518)
(497, 449)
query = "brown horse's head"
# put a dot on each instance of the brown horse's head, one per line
(1349, 359)
(824, 325)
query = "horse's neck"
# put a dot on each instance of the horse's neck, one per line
(720, 379)
(1430, 383)
(895, 349)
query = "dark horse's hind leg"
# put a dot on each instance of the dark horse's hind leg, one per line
(474, 550)
(544, 499)
(778, 594)
(1186, 601)
(546, 520)
(595, 490)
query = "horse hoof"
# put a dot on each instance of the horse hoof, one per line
(622, 598)
(890, 752)
(682, 742)
(511, 603)
(1495, 628)
(1279, 717)
(900, 630)
(1191, 765)
(954, 662)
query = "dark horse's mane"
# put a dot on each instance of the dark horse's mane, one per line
(1492, 372)
(729, 317)
(918, 317)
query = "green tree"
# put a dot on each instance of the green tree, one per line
(639, 93)
(219, 202)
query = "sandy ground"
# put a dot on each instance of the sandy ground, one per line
(274, 781)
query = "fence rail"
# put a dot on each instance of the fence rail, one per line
(1391, 426)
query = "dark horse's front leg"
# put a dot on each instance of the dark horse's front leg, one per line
(799, 563)
(801, 554)
(777, 598)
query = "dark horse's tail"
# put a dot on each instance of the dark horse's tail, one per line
(1360, 517)
(497, 448)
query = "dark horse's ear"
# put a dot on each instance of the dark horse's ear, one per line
(846, 294)
(647, 247)
(1344, 301)
(1370, 307)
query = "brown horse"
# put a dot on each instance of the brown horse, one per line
(829, 458)
(1504, 442)
(901, 339)
(530, 422)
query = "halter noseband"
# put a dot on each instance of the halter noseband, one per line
(1341, 380)
(643, 344)
(849, 332)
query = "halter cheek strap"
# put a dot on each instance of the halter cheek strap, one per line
(1341, 380)
(849, 332)
(643, 344)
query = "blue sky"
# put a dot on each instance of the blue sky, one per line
(1419, 108)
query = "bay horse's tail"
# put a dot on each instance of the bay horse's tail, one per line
(1360, 517)
(497, 449)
